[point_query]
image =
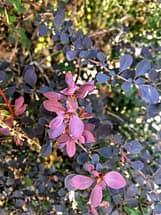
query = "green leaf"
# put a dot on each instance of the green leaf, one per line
(28, 181)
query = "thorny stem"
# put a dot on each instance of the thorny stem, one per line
(84, 149)
(107, 70)
(22, 136)
(7, 102)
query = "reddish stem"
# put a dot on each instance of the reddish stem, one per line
(7, 102)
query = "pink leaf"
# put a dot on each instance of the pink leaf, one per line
(63, 138)
(88, 136)
(4, 131)
(114, 180)
(69, 80)
(56, 132)
(89, 126)
(85, 89)
(76, 126)
(56, 122)
(96, 196)
(19, 102)
(93, 211)
(53, 96)
(72, 104)
(19, 106)
(81, 182)
(53, 106)
(71, 148)
(89, 167)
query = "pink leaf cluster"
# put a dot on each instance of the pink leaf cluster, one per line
(19, 109)
(68, 126)
(111, 179)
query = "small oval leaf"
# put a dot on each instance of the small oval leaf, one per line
(125, 62)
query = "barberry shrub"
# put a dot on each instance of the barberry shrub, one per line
(73, 130)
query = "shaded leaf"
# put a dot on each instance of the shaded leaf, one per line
(46, 149)
(105, 151)
(145, 52)
(82, 158)
(43, 30)
(3, 78)
(30, 76)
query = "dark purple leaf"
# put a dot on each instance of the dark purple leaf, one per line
(132, 190)
(19, 203)
(157, 209)
(126, 86)
(157, 177)
(84, 54)
(105, 151)
(140, 81)
(133, 202)
(71, 55)
(153, 110)
(30, 76)
(142, 68)
(146, 53)
(125, 62)
(16, 194)
(102, 78)
(78, 44)
(87, 42)
(64, 38)
(101, 57)
(46, 149)
(82, 158)
(154, 76)
(3, 78)
(98, 167)
(93, 53)
(149, 94)
(95, 159)
(4, 65)
(59, 18)
(133, 147)
(137, 165)
(117, 199)
(159, 135)
(43, 30)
